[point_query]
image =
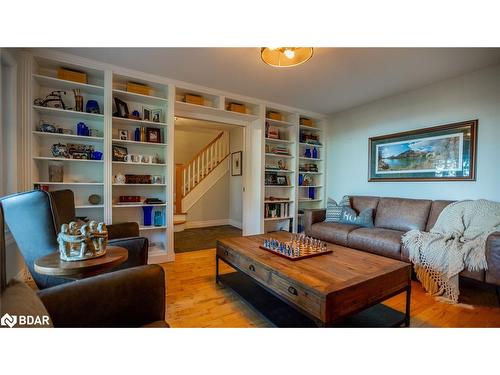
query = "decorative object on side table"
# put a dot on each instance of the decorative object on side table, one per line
(298, 247)
(85, 242)
(236, 163)
(446, 153)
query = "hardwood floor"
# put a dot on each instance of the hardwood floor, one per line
(194, 300)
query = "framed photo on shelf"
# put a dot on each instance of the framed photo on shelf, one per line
(273, 132)
(122, 134)
(121, 108)
(439, 153)
(236, 166)
(270, 179)
(146, 113)
(119, 153)
(281, 180)
(156, 115)
(153, 135)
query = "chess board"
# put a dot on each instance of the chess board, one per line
(305, 253)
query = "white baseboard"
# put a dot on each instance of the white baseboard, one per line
(236, 224)
(206, 223)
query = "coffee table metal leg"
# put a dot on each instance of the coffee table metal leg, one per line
(408, 302)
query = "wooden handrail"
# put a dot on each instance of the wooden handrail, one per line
(203, 149)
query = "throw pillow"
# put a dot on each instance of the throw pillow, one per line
(364, 219)
(334, 210)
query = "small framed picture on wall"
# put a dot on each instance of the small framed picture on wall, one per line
(236, 163)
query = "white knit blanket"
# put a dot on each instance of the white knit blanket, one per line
(456, 242)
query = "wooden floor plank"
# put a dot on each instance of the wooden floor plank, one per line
(194, 300)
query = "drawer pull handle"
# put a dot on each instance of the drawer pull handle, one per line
(292, 290)
(251, 267)
(226, 252)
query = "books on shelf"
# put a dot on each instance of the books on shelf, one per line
(276, 210)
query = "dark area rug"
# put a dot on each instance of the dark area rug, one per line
(202, 238)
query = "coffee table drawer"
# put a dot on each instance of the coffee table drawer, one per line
(300, 296)
(254, 270)
(227, 254)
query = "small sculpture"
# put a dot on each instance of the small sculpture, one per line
(85, 242)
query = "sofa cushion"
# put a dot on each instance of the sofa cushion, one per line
(402, 214)
(332, 232)
(436, 208)
(386, 242)
(364, 219)
(334, 210)
(360, 203)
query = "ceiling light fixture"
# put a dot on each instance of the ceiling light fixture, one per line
(284, 57)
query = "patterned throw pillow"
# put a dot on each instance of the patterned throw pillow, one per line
(364, 219)
(334, 210)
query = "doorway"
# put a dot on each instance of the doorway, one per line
(208, 182)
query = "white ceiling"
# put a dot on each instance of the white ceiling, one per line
(334, 79)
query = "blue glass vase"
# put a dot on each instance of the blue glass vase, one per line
(301, 179)
(158, 219)
(307, 153)
(315, 153)
(147, 210)
(312, 192)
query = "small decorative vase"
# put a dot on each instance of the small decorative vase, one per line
(315, 153)
(158, 219)
(301, 179)
(307, 153)
(312, 192)
(137, 135)
(147, 210)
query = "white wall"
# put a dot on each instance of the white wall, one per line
(236, 143)
(189, 141)
(214, 205)
(472, 96)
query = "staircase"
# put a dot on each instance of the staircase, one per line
(195, 178)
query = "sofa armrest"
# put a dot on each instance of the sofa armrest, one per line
(123, 230)
(129, 298)
(493, 259)
(137, 251)
(312, 216)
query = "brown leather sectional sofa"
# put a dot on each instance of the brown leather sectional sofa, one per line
(392, 218)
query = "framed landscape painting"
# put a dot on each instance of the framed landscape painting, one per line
(446, 153)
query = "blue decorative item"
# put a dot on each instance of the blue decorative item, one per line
(96, 155)
(92, 107)
(315, 153)
(137, 135)
(312, 192)
(80, 128)
(158, 219)
(301, 179)
(147, 210)
(136, 114)
(307, 153)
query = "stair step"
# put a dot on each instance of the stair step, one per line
(179, 222)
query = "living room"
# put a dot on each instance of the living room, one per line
(325, 190)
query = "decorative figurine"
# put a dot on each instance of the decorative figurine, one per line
(85, 242)
(53, 100)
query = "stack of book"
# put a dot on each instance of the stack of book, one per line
(276, 210)
(280, 150)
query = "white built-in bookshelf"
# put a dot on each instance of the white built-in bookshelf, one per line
(275, 165)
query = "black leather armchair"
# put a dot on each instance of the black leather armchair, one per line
(33, 220)
(133, 297)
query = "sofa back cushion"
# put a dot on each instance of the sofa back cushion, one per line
(436, 208)
(360, 203)
(402, 214)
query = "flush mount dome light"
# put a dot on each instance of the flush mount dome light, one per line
(284, 57)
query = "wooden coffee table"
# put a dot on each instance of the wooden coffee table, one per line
(327, 288)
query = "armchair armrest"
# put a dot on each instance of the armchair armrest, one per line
(313, 216)
(137, 251)
(123, 230)
(128, 298)
(493, 259)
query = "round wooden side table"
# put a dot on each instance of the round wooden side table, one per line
(53, 265)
